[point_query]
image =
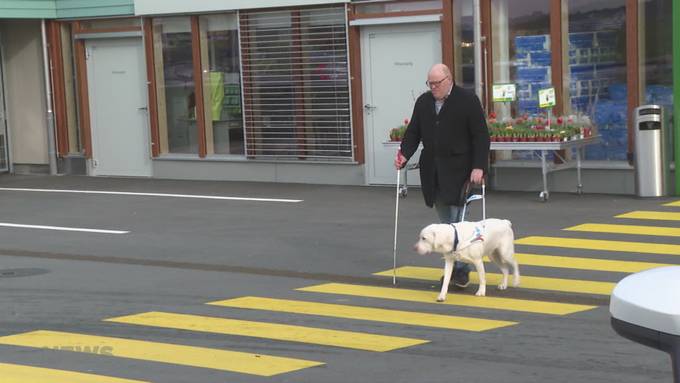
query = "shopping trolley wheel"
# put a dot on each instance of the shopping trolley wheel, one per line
(543, 196)
(403, 191)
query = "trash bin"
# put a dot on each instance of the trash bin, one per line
(645, 308)
(651, 161)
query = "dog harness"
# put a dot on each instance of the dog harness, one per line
(477, 236)
(455, 237)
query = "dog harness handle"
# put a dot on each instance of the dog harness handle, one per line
(455, 237)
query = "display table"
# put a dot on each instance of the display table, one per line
(541, 148)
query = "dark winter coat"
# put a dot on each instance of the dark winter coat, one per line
(455, 141)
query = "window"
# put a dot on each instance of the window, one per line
(221, 84)
(295, 81)
(521, 49)
(463, 44)
(175, 85)
(597, 73)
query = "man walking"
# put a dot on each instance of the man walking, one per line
(450, 123)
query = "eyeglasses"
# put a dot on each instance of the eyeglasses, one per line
(432, 84)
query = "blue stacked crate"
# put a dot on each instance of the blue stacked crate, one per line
(595, 90)
(611, 72)
(610, 117)
(662, 95)
(532, 60)
(580, 47)
(581, 70)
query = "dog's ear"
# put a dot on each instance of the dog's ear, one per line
(443, 239)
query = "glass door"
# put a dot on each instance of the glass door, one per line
(4, 153)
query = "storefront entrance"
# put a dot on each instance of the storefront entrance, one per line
(4, 146)
(396, 59)
(118, 107)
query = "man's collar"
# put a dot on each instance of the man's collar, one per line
(449, 92)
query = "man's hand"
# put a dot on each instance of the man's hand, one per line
(477, 176)
(399, 160)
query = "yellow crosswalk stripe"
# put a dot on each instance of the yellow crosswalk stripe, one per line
(674, 203)
(301, 334)
(421, 296)
(364, 313)
(627, 229)
(493, 279)
(247, 363)
(598, 244)
(654, 215)
(13, 373)
(585, 263)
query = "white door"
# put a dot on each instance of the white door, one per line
(118, 107)
(4, 145)
(395, 62)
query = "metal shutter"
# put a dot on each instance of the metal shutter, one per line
(295, 84)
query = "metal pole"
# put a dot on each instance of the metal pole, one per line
(51, 146)
(477, 30)
(676, 92)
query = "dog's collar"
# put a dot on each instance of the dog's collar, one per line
(455, 237)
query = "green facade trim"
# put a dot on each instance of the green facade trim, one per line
(676, 92)
(94, 8)
(28, 9)
(58, 9)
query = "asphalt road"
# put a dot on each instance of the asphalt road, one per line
(174, 254)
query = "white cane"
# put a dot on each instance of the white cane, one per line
(396, 220)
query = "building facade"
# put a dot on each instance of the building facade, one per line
(308, 90)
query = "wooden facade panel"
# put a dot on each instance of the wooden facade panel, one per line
(150, 71)
(354, 39)
(58, 87)
(557, 33)
(198, 86)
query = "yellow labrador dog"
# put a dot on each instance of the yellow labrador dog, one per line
(470, 242)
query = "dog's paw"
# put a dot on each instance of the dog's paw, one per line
(441, 298)
(480, 293)
(502, 286)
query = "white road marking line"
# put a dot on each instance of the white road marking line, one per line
(61, 228)
(154, 195)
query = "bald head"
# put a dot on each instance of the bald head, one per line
(439, 70)
(440, 81)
